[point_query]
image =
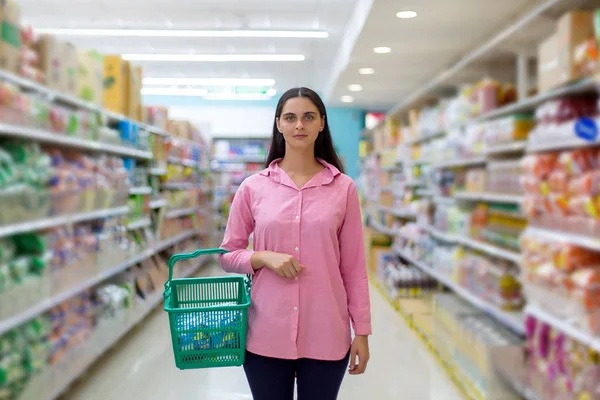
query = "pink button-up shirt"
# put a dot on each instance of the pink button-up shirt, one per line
(320, 224)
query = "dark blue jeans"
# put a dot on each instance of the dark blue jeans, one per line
(274, 378)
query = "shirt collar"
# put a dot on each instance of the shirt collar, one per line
(324, 177)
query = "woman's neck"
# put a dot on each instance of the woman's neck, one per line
(299, 162)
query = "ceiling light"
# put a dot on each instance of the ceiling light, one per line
(366, 71)
(208, 82)
(271, 92)
(236, 33)
(347, 99)
(406, 14)
(237, 96)
(355, 88)
(213, 57)
(382, 50)
(174, 92)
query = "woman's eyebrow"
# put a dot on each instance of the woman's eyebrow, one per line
(310, 112)
(289, 114)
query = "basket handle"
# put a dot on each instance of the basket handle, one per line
(186, 256)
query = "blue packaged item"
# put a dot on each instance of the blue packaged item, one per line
(128, 132)
(206, 331)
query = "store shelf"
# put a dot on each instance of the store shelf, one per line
(561, 137)
(425, 192)
(564, 325)
(54, 380)
(24, 316)
(489, 249)
(398, 212)
(160, 203)
(529, 104)
(71, 142)
(242, 159)
(158, 171)
(588, 242)
(139, 224)
(387, 189)
(498, 150)
(53, 222)
(514, 320)
(181, 161)
(416, 183)
(490, 197)
(183, 212)
(444, 200)
(467, 162)
(141, 190)
(181, 186)
(382, 229)
(426, 138)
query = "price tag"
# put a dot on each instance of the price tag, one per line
(586, 129)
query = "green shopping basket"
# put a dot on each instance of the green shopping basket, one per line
(208, 317)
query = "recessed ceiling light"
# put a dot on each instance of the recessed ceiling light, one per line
(213, 57)
(236, 33)
(347, 99)
(382, 50)
(406, 14)
(366, 71)
(208, 81)
(355, 87)
(271, 92)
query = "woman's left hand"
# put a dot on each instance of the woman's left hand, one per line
(360, 349)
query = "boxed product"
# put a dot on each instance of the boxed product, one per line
(90, 76)
(156, 116)
(58, 61)
(574, 28)
(549, 75)
(134, 92)
(10, 36)
(115, 84)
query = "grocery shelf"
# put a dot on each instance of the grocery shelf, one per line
(401, 213)
(52, 222)
(182, 212)
(438, 234)
(489, 249)
(561, 137)
(415, 183)
(425, 192)
(589, 242)
(184, 162)
(156, 131)
(391, 168)
(53, 381)
(181, 186)
(564, 325)
(158, 171)
(382, 229)
(140, 223)
(387, 189)
(160, 203)
(243, 159)
(514, 320)
(502, 149)
(490, 197)
(24, 316)
(529, 104)
(444, 200)
(426, 138)
(43, 136)
(141, 190)
(466, 162)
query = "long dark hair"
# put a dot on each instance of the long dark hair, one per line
(324, 144)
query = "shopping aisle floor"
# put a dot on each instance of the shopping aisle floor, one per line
(141, 367)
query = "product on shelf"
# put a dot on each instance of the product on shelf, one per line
(562, 190)
(564, 279)
(514, 128)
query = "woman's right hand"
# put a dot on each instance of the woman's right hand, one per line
(284, 265)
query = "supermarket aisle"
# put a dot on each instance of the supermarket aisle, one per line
(142, 367)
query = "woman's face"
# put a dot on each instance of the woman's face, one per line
(300, 123)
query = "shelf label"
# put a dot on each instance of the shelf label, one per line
(586, 129)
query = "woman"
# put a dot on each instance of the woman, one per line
(308, 262)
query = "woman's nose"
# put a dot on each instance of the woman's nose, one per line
(299, 125)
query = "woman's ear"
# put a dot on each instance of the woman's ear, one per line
(322, 124)
(278, 124)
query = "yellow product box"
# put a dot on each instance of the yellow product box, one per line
(134, 92)
(10, 36)
(115, 84)
(90, 76)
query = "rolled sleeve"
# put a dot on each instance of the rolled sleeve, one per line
(353, 266)
(239, 227)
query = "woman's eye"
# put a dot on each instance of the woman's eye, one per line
(309, 117)
(290, 118)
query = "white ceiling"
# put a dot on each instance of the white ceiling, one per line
(422, 47)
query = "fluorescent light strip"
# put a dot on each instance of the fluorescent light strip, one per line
(174, 92)
(234, 96)
(236, 33)
(208, 82)
(213, 57)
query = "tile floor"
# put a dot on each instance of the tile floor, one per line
(141, 367)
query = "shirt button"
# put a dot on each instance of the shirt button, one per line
(297, 217)
(297, 248)
(295, 308)
(296, 278)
